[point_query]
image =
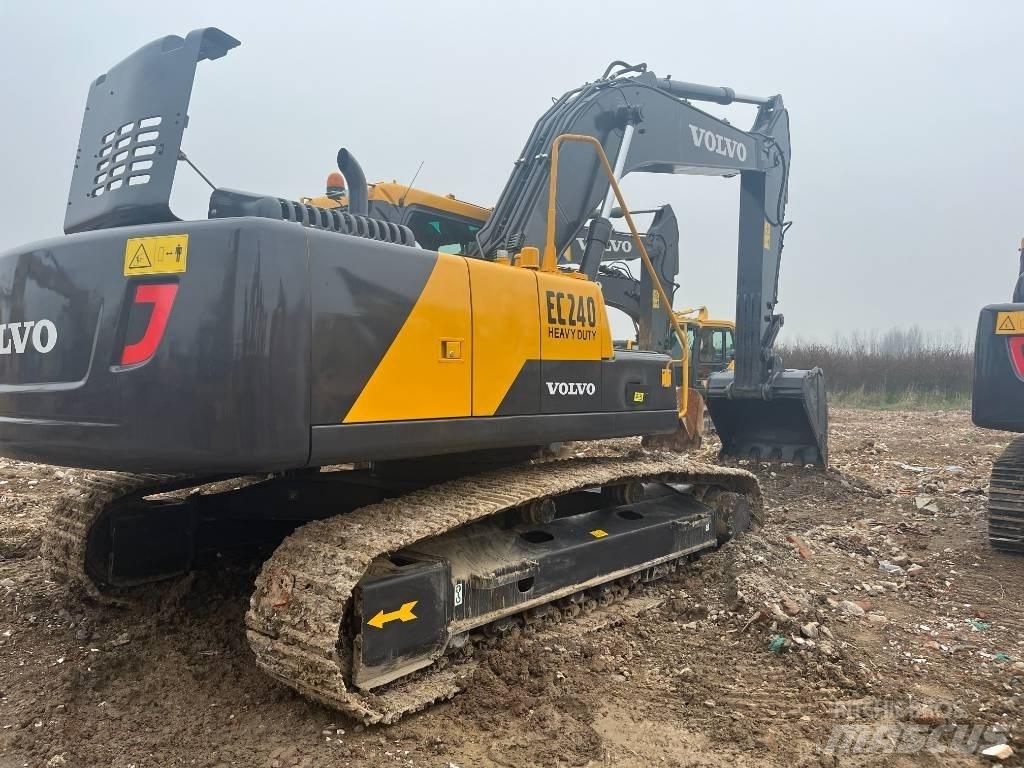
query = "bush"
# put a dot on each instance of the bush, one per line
(899, 366)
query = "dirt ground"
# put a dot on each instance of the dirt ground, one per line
(791, 646)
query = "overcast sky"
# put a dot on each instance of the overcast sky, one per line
(907, 177)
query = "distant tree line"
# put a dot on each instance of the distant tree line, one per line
(902, 364)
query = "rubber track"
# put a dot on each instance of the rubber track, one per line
(296, 612)
(69, 520)
(1006, 499)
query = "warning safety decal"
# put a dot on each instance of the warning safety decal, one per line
(1008, 323)
(166, 254)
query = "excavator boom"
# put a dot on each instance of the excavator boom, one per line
(650, 125)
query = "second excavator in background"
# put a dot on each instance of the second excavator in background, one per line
(997, 402)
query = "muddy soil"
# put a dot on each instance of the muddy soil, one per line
(866, 623)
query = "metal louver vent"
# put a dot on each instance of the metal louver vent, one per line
(126, 156)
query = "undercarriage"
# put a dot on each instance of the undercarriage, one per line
(382, 589)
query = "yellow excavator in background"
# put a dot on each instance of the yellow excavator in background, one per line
(712, 349)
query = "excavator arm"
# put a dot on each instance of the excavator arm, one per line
(650, 125)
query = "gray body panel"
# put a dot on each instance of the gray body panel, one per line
(229, 378)
(997, 401)
(335, 443)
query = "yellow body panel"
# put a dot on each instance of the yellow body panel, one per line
(404, 196)
(506, 329)
(459, 356)
(321, 202)
(418, 377)
(573, 319)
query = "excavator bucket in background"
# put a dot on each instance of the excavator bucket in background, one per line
(787, 423)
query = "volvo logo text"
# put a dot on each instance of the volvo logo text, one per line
(15, 337)
(614, 245)
(713, 142)
(571, 387)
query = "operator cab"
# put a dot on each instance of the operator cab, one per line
(441, 223)
(714, 350)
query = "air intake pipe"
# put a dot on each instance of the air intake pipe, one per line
(358, 203)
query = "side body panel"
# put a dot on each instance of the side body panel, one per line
(361, 294)
(427, 371)
(574, 338)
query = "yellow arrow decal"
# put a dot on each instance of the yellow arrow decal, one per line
(403, 614)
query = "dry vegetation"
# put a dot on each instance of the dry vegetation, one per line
(900, 367)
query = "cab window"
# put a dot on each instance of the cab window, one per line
(442, 233)
(712, 346)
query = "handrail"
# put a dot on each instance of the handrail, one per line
(550, 261)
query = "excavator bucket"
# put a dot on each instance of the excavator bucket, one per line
(786, 421)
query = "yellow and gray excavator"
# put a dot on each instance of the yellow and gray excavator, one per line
(370, 407)
(997, 402)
